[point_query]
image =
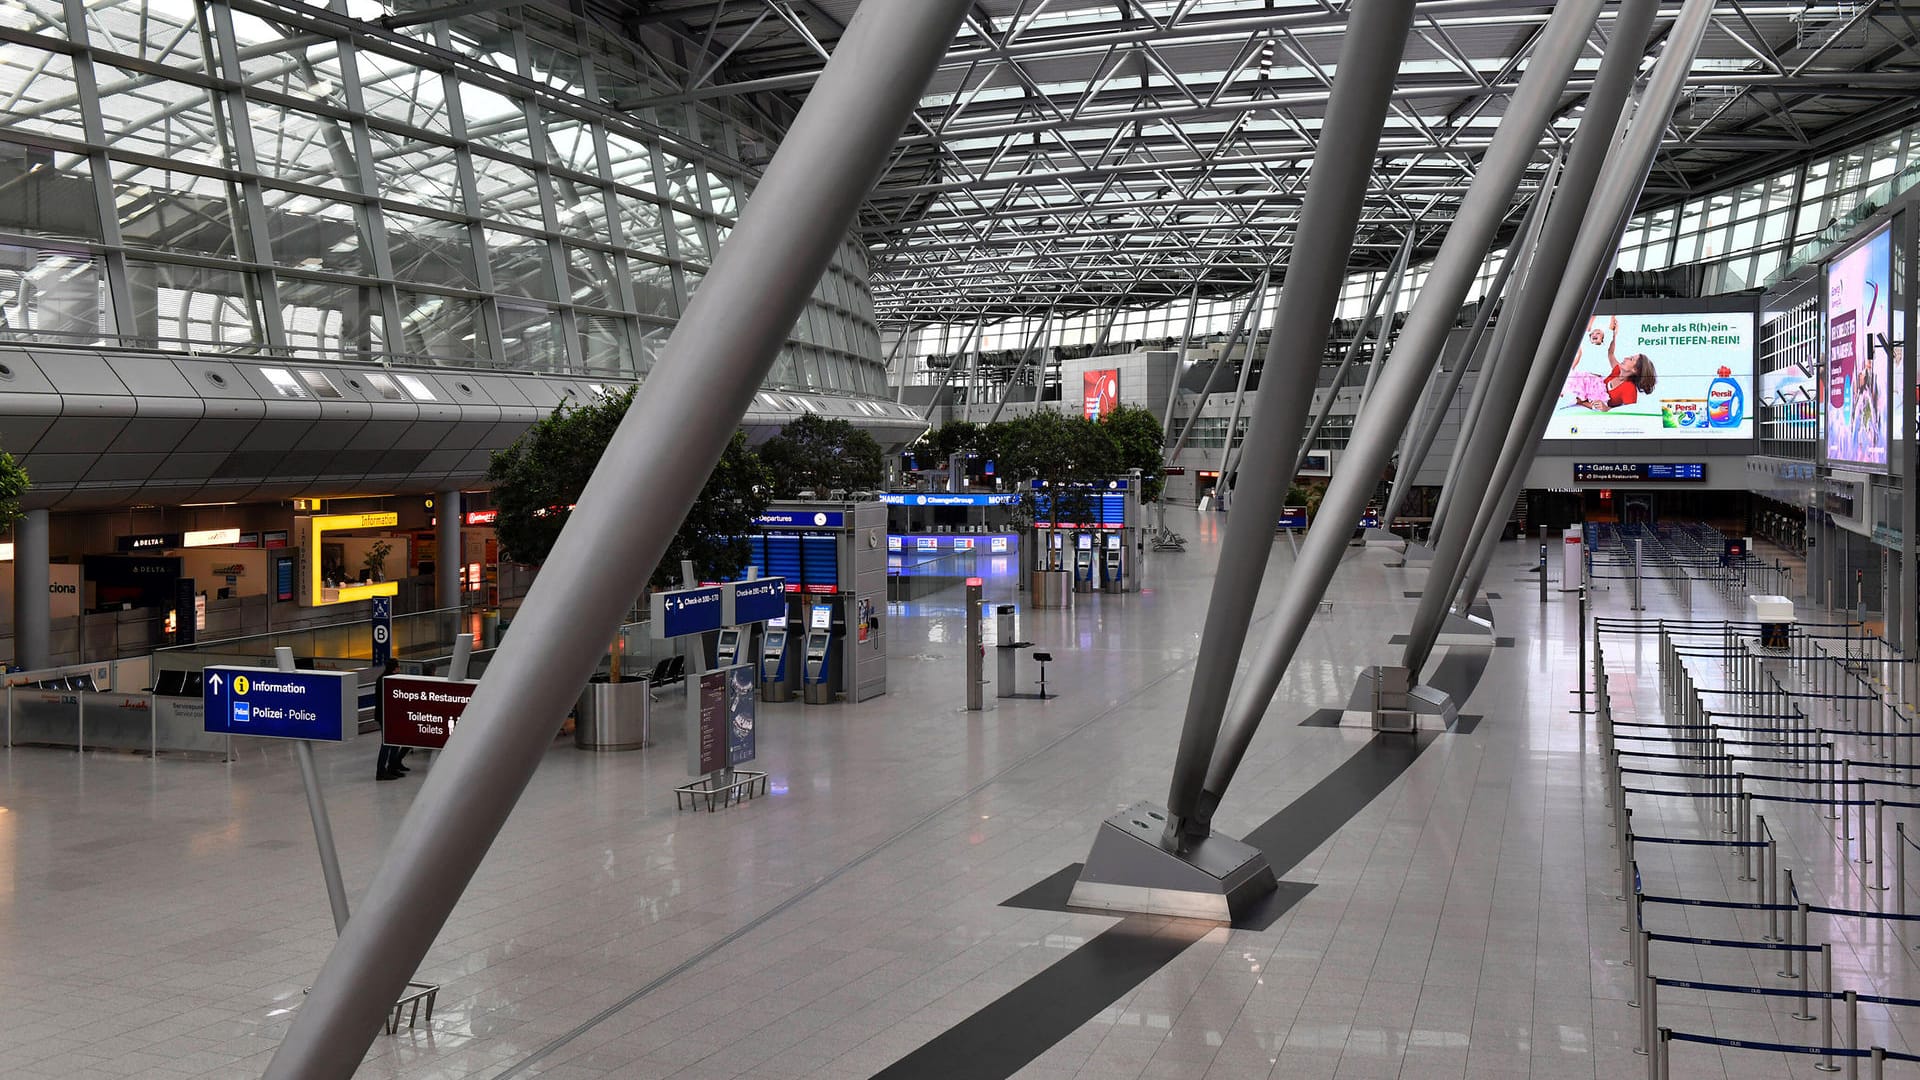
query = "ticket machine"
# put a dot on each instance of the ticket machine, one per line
(731, 648)
(1113, 564)
(1056, 550)
(1083, 567)
(818, 674)
(776, 668)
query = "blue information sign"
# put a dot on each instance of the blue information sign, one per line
(758, 600)
(816, 519)
(937, 499)
(382, 630)
(687, 611)
(273, 704)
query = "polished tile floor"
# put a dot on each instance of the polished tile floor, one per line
(159, 918)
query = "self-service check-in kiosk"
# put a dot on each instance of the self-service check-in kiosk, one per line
(1083, 562)
(1113, 564)
(777, 670)
(1056, 551)
(728, 652)
(820, 678)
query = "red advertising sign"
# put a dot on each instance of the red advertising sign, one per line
(1102, 392)
(420, 711)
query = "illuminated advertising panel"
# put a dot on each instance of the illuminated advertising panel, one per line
(1859, 298)
(1101, 390)
(1666, 376)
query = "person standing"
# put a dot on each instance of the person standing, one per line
(388, 767)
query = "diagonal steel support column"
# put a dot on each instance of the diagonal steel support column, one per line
(1586, 275)
(1367, 70)
(1387, 288)
(1592, 145)
(1497, 353)
(678, 426)
(1376, 358)
(1422, 444)
(1230, 452)
(1255, 301)
(1404, 375)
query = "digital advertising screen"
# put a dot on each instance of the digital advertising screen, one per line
(1859, 299)
(1101, 390)
(1665, 376)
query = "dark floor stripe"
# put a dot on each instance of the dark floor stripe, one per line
(1038, 1013)
(1024, 1023)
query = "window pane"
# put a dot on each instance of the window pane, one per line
(303, 147)
(530, 338)
(430, 251)
(494, 120)
(159, 117)
(195, 305)
(330, 321)
(520, 265)
(316, 234)
(41, 87)
(51, 296)
(692, 234)
(170, 210)
(445, 326)
(396, 90)
(508, 192)
(653, 289)
(47, 193)
(590, 276)
(603, 344)
(159, 33)
(640, 225)
(415, 172)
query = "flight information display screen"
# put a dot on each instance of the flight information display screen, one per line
(1615, 472)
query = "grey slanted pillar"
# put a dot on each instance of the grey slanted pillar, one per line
(1586, 274)
(447, 556)
(32, 605)
(1369, 65)
(1429, 430)
(1387, 287)
(1592, 144)
(1404, 375)
(679, 425)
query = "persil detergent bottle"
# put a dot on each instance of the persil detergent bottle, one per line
(1726, 405)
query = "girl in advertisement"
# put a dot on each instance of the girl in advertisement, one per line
(1627, 378)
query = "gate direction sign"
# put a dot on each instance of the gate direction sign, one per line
(382, 630)
(421, 711)
(757, 600)
(272, 704)
(687, 611)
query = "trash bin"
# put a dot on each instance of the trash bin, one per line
(613, 715)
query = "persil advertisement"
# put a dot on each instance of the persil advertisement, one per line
(1667, 376)
(1859, 298)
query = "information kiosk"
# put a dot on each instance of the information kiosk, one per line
(820, 676)
(776, 672)
(1113, 565)
(1083, 568)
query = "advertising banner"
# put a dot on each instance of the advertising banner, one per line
(707, 750)
(420, 711)
(1859, 297)
(1670, 376)
(1102, 392)
(741, 694)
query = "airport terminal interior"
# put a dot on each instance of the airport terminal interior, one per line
(959, 539)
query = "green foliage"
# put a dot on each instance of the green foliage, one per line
(715, 530)
(1058, 449)
(375, 563)
(820, 455)
(955, 437)
(537, 480)
(1137, 439)
(13, 486)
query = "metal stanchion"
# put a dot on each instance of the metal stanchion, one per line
(1791, 955)
(1853, 1034)
(1879, 844)
(1826, 1008)
(1806, 1000)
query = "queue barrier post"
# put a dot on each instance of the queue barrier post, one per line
(1826, 1009)
(1879, 845)
(1853, 1034)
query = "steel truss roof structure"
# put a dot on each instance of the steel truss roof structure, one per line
(1081, 154)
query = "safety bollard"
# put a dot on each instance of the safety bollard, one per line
(1826, 1009)
(1790, 955)
(1879, 845)
(1747, 835)
(1853, 1034)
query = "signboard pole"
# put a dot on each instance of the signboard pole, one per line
(317, 809)
(382, 630)
(462, 656)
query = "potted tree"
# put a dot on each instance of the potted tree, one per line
(540, 476)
